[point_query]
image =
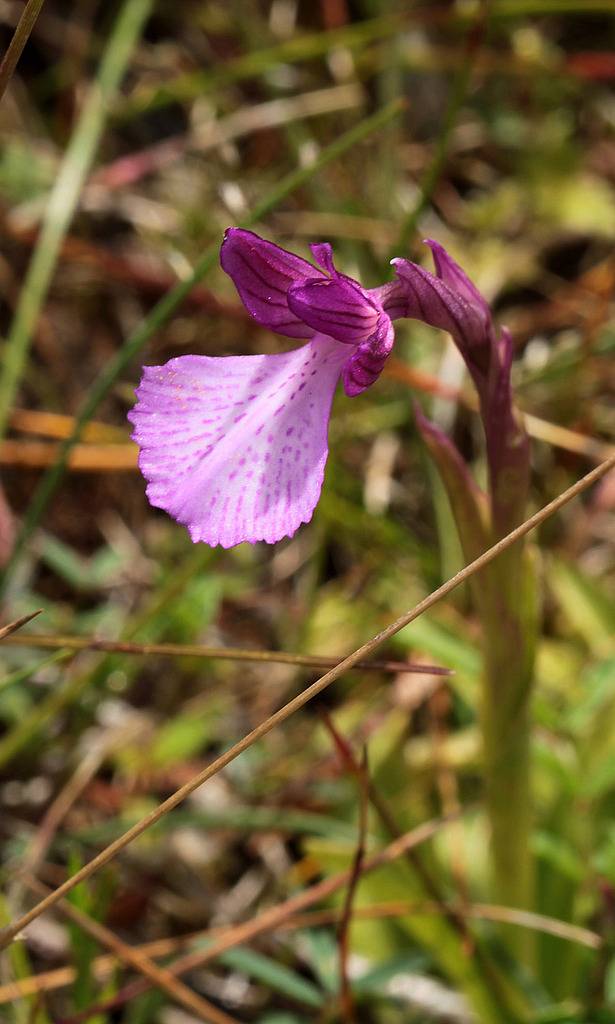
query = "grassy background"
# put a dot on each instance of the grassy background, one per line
(132, 135)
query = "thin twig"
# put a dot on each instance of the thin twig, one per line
(79, 643)
(159, 976)
(5, 631)
(20, 37)
(9, 933)
(417, 864)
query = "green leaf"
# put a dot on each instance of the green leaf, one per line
(586, 607)
(443, 643)
(273, 974)
(559, 854)
(374, 980)
(597, 696)
(609, 982)
(322, 954)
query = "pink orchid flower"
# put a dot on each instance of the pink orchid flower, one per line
(235, 447)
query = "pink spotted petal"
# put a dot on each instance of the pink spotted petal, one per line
(235, 447)
(262, 274)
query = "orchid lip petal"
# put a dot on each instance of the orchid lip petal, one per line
(234, 447)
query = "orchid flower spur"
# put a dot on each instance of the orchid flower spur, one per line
(234, 447)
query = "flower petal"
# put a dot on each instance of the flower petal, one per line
(336, 306)
(435, 303)
(449, 271)
(235, 447)
(392, 297)
(366, 363)
(262, 274)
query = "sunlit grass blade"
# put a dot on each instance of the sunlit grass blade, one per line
(65, 194)
(302, 48)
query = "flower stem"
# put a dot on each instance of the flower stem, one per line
(510, 621)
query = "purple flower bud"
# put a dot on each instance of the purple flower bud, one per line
(450, 301)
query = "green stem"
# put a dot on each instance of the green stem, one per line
(510, 621)
(505, 600)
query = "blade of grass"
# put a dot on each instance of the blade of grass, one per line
(45, 710)
(20, 675)
(481, 911)
(249, 65)
(366, 649)
(166, 307)
(347, 1005)
(20, 37)
(65, 195)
